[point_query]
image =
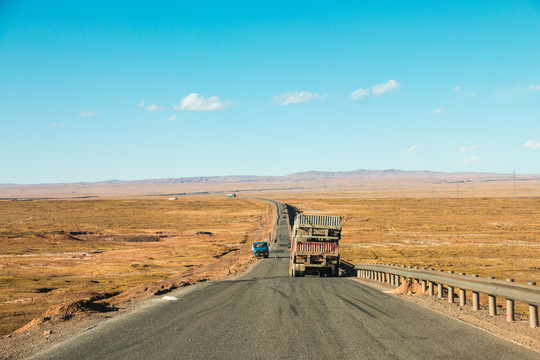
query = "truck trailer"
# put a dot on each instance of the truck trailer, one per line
(315, 245)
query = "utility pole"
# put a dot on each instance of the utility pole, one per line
(515, 190)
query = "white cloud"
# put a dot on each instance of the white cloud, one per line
(468, 148)
(359, 94)
(535, 87)
(55, 124)
(471, 160)
(194, 102)
(380, 89)
(412, 149)
(172, 118)
(531, 144)
(88, 113)
(437, 111)
(294, 97)
(154, 107)
(473, 94)
(142, 103)
(376, 90)
(456, 89)
(107, 151)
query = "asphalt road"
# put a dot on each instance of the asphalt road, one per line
(265, 314)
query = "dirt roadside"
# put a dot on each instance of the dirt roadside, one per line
(65, 320)
(518, 331)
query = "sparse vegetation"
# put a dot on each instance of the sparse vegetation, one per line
(487, 236)
(66, 250)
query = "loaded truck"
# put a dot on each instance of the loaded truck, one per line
(315, 245)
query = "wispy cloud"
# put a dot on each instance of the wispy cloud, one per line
(359, 94)
(107, 151)
(295, 97)
(535, 87)
(194, 102)
(471, 159)
(172, 118)
(412, 149)
(87, 113)
(437, 111)
(468, 148)
(531, 144)
(55, 124)
(376, 90)
(142, 103)
(154, 107)
(380, 89)
(473, 94)
(456, 89)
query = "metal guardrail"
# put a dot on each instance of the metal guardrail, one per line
(395, 275)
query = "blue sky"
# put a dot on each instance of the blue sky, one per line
(92, 91)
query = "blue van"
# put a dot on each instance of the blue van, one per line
(260, 248)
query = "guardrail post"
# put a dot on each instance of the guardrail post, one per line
(533, 311)
(492, 305)
(492, 301)
(462, 297)
(423, 286)
(451, 294)
(450, 290)
(510, 307)
(440, 291)
(430, 288)
(533, 316)
(475, 301)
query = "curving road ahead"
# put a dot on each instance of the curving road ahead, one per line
(265, 314)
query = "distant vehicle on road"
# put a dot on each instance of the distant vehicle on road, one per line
(260, 248)
(315, 245)
(233, 195)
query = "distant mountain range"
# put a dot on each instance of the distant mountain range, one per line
(319, 175)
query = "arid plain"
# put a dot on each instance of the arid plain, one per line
(115, 247)
(64, 251)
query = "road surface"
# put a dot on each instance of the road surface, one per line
(265, 314)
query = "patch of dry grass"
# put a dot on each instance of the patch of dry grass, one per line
(64, 250)
(487, 236)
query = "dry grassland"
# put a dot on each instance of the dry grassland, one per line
(497, 237)
(487, 236)
(64, 250)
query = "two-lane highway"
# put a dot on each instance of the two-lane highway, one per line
(265, 314)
